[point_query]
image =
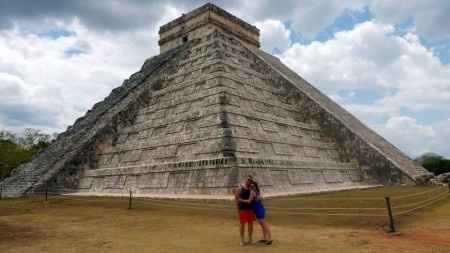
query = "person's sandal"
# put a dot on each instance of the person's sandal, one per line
(269, 242)
(262, 241)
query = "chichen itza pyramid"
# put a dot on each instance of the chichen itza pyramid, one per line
(210, 109)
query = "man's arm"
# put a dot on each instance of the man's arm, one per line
(236, 192)
(250, 198)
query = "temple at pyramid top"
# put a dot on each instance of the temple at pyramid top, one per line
(196, 23)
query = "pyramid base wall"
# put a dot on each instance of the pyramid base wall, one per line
(215, 177)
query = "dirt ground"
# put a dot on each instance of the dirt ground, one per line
(81, 224)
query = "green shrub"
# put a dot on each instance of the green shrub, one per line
(17, 150)
(437, 165)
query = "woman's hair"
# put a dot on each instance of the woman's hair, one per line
(255, 184)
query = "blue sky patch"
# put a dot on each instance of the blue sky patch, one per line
(360, 96)
(440, 48)
(56, 33)
(347, 21)
(427, 117)
(73, 51)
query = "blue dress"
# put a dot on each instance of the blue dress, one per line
(258, 208)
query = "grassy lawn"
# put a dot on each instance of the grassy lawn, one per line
(88, 224)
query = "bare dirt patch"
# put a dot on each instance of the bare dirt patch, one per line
(18, 233)
(106, 225)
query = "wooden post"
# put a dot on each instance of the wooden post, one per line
(391, 217)
(130, 200)
(46, 193)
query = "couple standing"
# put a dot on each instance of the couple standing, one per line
(249, 203)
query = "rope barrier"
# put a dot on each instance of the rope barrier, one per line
(184, 203)
(330, 214)
(423, 206)
(201, 207)
(419, 202)
(416, 194)
(184, 206)
(277, 210)
(286, 210)
(364, 198)
(326, 208)
(82, 198)
(188, 203)
(336, 198)
(269, 207)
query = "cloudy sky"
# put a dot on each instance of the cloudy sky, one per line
(388, 62)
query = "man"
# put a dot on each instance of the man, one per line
(245, 211)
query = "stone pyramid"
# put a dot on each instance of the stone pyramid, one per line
(207, 111)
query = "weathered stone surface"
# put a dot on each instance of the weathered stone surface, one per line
(441, 178)
(204, 114)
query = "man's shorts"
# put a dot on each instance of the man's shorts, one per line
(246, 215)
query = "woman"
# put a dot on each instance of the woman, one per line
(245, 213)
(255, 200)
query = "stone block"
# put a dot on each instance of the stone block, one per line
(131, 156)
(282, 149)
(332, 176)
(131, 183)
(269, 126)
(178, 180)
(165, 151)
(356, 175)
(175, 127)
(85, 183)
(159, 114)
(300, 176)
(311, 152)
(280, 178)
(154, 180)
(216, 178)
(114, 182)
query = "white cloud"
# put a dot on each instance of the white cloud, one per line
(403, 73)
(415, 138)
(371, 57)
(309, 17)
(306, 16)
(274, 35)
(371, 112)
(430, 17)
(48, 82)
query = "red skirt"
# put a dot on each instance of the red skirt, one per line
(246, 216)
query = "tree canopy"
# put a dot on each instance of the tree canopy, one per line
(15, 150)
(437, 164)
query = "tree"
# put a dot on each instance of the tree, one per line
(5, 135)
(11, 156)
(17, 150)
(437, 164)
(31, 137)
